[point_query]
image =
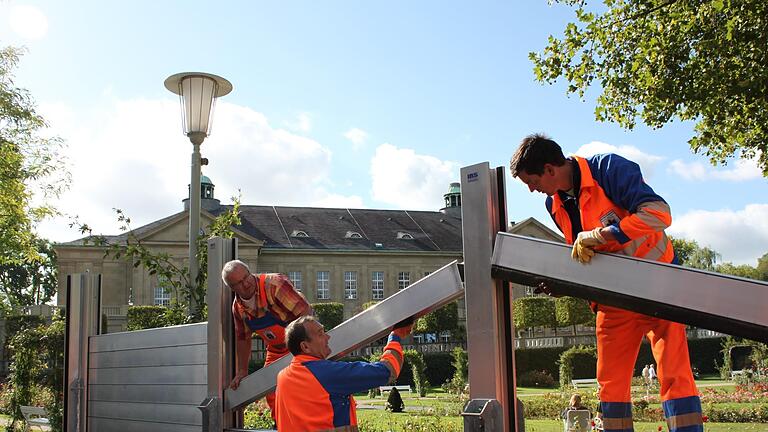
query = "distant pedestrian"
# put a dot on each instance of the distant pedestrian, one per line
(646, 376)
(652, 374)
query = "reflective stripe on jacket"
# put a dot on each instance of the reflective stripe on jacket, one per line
(316, 395)
(613, 194)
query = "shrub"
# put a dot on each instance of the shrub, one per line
(258, 416)
(146, 317)
(578, 362)
(460, 372)
(545, 359)
(330, 314)
(439, 367)
(394, 401)
(416, 359)
(540, 379)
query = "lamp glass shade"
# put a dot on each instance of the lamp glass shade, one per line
(198, 97)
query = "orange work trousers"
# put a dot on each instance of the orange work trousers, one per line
(619, 334)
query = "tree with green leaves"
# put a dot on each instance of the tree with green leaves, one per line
(445, 318)
(32, 165)
(167, 267)
(29, 281)
(762, 267)
(660, 60)
(690, 254)
(530, 312)
(571, 311)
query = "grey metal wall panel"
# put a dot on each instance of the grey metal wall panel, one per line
(169, 356)
(148, 380)
(147, 412)
(192, 374)
(151, 338)
(112, 425)
(164, 393)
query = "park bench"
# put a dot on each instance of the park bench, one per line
(400, 388)
(584, 383)
(34, 416)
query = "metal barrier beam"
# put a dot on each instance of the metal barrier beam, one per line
(422, 297)
(713, 301)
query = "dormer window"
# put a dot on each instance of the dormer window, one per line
(404, 236)
(298, 233)
(353, 235)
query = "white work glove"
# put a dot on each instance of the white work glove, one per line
(583, 248)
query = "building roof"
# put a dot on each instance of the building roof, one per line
(334, 228)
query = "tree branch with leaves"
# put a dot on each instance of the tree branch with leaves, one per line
(657, 61)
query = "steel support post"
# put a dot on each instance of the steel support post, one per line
(221, 348)
(83, 317)
(490, 331)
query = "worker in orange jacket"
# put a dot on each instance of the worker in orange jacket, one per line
(602, 203)
(264, 304)
(315, 394)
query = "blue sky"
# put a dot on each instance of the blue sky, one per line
(342, 104)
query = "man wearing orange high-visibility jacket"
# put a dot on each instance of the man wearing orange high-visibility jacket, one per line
(315, 394)
(602, 203)
(264, 304)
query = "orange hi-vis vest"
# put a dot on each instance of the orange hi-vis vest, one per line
(612, 194)
(269, 327)
(316, 395)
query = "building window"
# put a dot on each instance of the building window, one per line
(323, 285)
(377, 285)
(162, 293)
(418, 338)
(445, 336)
(427, 274)
(295, 277)
(529, 291)
(350, 285)
(403, 280)
(299, 233)
(353, 234)
(404, 236)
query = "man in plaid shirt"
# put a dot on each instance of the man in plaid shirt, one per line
(264, 304)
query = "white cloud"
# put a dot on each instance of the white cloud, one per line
(405, 179)
(646, 161)
(28, 21)
(743, 169)
(357, 136)
(303, 123)
(741, 236)
(145, 170)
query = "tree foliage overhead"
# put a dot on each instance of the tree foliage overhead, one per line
(32, 281)
(657, 60)
(31, 167)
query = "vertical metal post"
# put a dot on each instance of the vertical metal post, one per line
(490, 331)
(194, 220)
(82, 321)
(221, 349)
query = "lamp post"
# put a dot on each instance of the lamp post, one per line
(198, 93)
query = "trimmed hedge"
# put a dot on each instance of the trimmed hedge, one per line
(329, 314)
(538, 359)
(146, 317)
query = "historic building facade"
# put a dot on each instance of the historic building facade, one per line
(349, 256)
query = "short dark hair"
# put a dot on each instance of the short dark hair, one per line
(534, 152)
(296, 333)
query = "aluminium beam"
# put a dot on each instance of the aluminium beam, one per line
(723, 303)
(422, 297)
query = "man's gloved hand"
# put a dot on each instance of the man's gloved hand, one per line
(583, 248)
(403, 328)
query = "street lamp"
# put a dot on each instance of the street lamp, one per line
(197, 92)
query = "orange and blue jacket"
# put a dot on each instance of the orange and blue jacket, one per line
(316, 394)
(612, 193)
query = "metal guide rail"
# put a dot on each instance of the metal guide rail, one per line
(422, 297)
(727, 304)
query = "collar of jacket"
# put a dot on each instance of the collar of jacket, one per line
(585, 187)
